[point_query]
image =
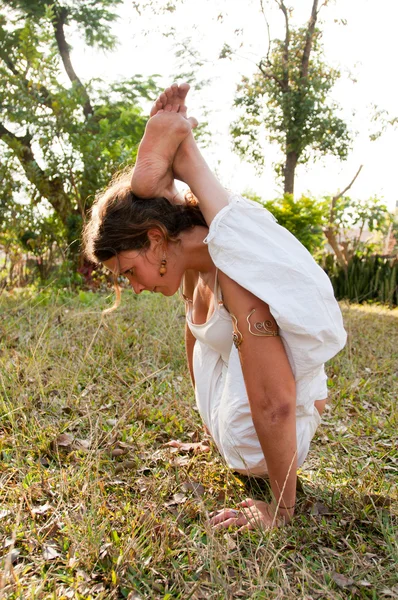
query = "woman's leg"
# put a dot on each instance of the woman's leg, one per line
(153, 174)
(188, 166)
(320, 405)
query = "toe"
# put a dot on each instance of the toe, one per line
(193, 122)
(183, 90)
(163, 99)
(158, 105)
(169, 93)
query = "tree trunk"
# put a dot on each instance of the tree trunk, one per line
(64, 50)
(289, 172)
(331, 238)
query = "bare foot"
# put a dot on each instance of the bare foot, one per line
(173, 100)
(153, 175)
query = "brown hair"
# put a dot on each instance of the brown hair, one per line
(120, 221)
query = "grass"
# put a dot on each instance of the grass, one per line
(94, 505)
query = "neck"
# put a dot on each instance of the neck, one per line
(196, 253)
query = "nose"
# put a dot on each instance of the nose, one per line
(137, 287)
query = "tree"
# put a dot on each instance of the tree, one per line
(287, 101)
(303, 217)
(347, 219)
(62, 138)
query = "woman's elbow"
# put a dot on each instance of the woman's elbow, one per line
(275, 408)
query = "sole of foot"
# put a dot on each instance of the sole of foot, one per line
(153, 175)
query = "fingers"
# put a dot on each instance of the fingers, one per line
(247, 502)
(247, 527)
(227, 517)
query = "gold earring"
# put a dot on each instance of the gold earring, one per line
(163, 267)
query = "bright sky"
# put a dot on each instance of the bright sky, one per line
(363, 49)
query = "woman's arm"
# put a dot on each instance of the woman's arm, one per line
(271, 390)
(268, 376)
(189, 345)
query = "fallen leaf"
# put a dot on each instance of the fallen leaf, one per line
(342, 581)
(178, 498)
(193, 486)
(97, 588)
(64, 440)
(390, 593)
(341, 429)
(87, 390)
(14, 555)
(356, 383)
(49, 553)
(195, 435)
(81, 444)
(127, 464)
(103, 551)
(118, 452)
(180, 461)
(320, 509)
(41, 510)
(375, 499)
(231, 545)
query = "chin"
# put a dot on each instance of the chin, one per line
(168, 293)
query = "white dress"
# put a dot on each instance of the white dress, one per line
(247, 244)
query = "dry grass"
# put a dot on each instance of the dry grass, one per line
(93, 514)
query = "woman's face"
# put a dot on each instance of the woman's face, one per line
(142, 269)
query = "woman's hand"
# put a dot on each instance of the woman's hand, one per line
(253, 514)
(195, 447)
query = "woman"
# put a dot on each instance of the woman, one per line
(261, 318)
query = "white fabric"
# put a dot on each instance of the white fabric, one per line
(217, 331)
(247, 244)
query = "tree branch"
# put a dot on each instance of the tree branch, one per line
(270, 75)
(308, 41)
(268, 31)
(50, 188)
(43, 95)
(64, 50)
(330, 230)
(285, 59)
(340, 194)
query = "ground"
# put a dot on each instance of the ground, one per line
(94, 505)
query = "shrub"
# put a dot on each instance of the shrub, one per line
(367, 278)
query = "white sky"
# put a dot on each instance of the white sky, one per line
(365, 48)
